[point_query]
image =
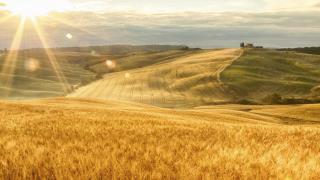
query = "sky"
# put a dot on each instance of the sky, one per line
(200, 23)
(199, 5)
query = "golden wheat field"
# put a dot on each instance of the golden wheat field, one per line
(159, 90)
(86, 139)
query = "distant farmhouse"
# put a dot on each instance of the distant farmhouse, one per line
(249, 45)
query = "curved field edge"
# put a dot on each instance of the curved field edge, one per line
(83, 139)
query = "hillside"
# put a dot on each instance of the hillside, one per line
(174, 79)
(86, 139)
(137, 60)
(33, 76)
(165, 77)
(262, 72)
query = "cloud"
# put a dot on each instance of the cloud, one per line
(285, 20)
(199, 5)
(203, 29)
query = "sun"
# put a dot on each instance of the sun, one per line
(29, 10)
(35, 8)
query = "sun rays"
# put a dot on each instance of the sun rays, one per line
(9, 64)
(11, 58)
(28, 13)
(51, 56)
(5, 18)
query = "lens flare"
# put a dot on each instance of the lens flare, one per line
(24, 9)
(9, 64)
(52, 58)
(31, 65)
(69, 36)
(111, 64)
(94, 53)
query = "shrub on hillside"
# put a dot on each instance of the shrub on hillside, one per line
(309, 50)
(296, 101)
(185, 48)
(277, 99)
(246, 102)
(272, 99)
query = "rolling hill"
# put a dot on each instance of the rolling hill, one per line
(174, 79)
(41, 80)
(261, 72)
(193, 78)
(34, 77)
(166, 76)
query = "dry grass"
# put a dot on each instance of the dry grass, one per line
(189, 80)
(82, 139)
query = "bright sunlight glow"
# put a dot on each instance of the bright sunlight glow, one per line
(34, 8)
(29, 10)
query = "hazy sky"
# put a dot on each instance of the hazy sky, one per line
(204, 23)
(196, 5)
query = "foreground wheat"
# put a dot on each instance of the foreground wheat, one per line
(63, 139)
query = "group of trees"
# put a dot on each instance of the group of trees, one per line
(278, 99)
(309, 50)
